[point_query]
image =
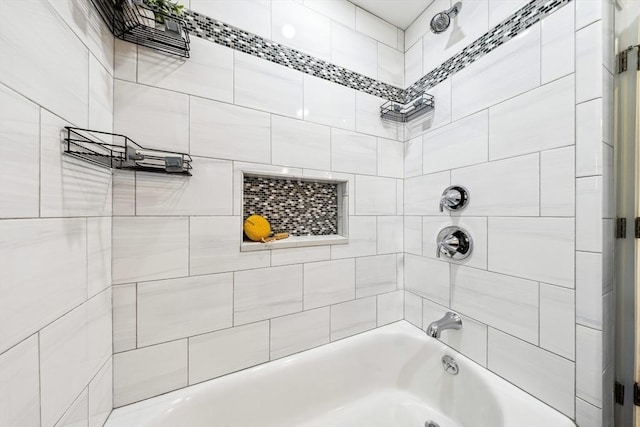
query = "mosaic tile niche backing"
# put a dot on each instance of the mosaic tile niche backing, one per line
(292, 205)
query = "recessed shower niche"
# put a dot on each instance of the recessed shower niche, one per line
(312, 211)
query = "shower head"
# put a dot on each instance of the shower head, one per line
(441, 21)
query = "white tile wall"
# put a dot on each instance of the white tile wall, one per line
(548, 377)
(376, 28)
(589, 365)
(413, 64)
(150, 248)
(589, 54)
(77, 414)
(558, 44)
(353, 152)
(353, 50)
(503, 302)
(532, 258)
(73, 349)
(390, 307)
(589, 214)
(101, 395)
(329, 104)
(266, 293)
(589, 138)
(428, 278)
(222, 352)
(329, 282)
(288, 149)
(390, 65)
(375, 195)
(375, 275)
(390, 158)
(368, 117)
(537, 120)
(493, 78)
(267, 86)
(207, 73)
(462, 143)
(30, 59)
(557, 320)
(298, 332)
(226, 131)
(60, 247)
(149, 371)
(301, 28)
(124, 317)
(178, 308)
(422, 194)
(362, 239)
(557, 182)
(589, 289)
(20, 385)
(338, 10)
(19, 156)
(152, 117)
(352, 317)
(518, 196)
(390, 238)
(162, 194)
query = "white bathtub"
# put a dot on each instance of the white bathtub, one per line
(388, 377)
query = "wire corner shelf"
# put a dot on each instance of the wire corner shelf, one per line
(403, 113)
(120, 152)
(135, 22)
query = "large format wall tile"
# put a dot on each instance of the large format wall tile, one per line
(152, 117)
(390, 307)
(492, 194)
(558, 43)
(589, 212)
(35, 253)
(19, 156)
(329, 104)
(589, 57)
(557, 182)
(178, 308)
(101, 395)
(504, 302)
(146, 372)
(353, 152)
(266, 293)
(150, 248)
(329, 282)
(422, 193)
(375, 275)
(69, 186)
(462, 143)
(163, 194)
(390, 65)
(207, 73)
(557, 320)
(20, 385)
(230, 350)
(73, 349)
(30, 58)
(226, 131)
(301, 28)
(352, 317)
(124, 317)
(389, 234)
(427, 278)
(520, 247)
(548, 377)
(589, 365)
(511, 69)
(375, 195)
(299, 332)
(214, 246)
(78, 412)
(289, 149)
(253, 14)
(98, 255)
(267, 86)
(100, 96)
(537, 120)
(362, 239)
(353, 50)
(589, 289)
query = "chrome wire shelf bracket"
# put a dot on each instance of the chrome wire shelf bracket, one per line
(403, 113)
(120, 152)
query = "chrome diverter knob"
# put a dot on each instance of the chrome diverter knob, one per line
(454, 242)
(454, 198)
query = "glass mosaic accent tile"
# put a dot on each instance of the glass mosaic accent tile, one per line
(292, 205)
(227, 35)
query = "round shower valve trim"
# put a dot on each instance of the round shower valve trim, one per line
(454, 198)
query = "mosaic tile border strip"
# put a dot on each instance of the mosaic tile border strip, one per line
(227, 35)
(500, 34)
(297, 206)
(244, 41)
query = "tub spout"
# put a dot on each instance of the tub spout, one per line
(449, 321)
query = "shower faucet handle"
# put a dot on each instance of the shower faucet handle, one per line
(454, 242)
(454, 198)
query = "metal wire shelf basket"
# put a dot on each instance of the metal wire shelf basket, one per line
(138, 23)
(119, 152)
(403, 113)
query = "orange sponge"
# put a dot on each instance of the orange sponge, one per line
(257, 227)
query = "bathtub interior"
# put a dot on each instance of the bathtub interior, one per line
(389, 376)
